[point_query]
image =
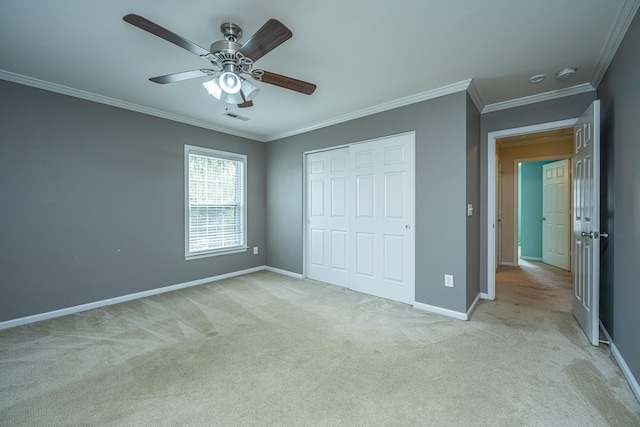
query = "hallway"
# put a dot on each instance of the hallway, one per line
(535, 284)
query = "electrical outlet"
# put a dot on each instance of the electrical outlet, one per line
(255, 250)
(448, 280)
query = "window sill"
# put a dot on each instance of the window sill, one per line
(216, 253)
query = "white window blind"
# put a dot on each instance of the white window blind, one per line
(215, 208)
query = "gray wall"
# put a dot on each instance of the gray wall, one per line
(619, 95)
(568, 107)
(92, 202)
(441, 190)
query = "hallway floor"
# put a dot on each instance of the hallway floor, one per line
(535, 284)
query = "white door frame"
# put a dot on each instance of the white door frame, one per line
(491, 191)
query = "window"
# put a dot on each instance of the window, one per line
(215, 208)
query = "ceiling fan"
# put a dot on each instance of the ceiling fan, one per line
(231, 60)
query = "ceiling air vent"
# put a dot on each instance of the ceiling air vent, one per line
(236, 116)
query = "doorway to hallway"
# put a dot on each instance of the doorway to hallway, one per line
(524, 274)
(535, 284)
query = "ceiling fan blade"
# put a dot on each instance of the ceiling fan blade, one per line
(157, 30)
(285, 82)
(186, 75)
(268, 37)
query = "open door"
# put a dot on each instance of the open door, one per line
(556, 228)
(586, 204)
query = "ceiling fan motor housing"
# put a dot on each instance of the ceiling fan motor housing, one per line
(231, 31)
(226, 54)
(224, 48)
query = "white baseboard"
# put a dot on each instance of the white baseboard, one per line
(284, 272)
(633, 383)
(439, 310)
(473, 306)
(510, 264)
(97, 304)
(531, 258)
(485, 295)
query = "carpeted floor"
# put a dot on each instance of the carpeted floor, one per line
(535, 284)
(265, 349)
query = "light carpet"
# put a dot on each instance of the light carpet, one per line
(266, 349)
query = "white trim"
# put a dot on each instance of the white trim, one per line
(473, 306)
(208, 254)
(97, 304)
(220, 155)
(491, 189)
(77, 93)
(491, 218)
(419, 97)
(321, 150)
(532, 99)
(626, 13)
(472, 90)
(439, 310)
(284, 272)
(484, 295)
(633, 383)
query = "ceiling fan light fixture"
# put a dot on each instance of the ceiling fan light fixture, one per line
(234, 98)
(230, 82)
(213, 87)
(249, 90)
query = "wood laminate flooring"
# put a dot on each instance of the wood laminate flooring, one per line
(535, 284)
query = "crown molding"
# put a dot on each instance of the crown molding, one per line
(532, 99)
(423, 96)
(626, 13)
(472, 90)
(77, 93)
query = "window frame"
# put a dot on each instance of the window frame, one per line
(217, 154)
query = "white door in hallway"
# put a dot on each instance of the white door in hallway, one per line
(498, 219)
(586, 206)
(327, 222)
(381, 225)
(556, 219)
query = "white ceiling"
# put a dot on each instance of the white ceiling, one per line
(363, 56)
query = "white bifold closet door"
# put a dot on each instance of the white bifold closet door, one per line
(326, 254)
(378, 254)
